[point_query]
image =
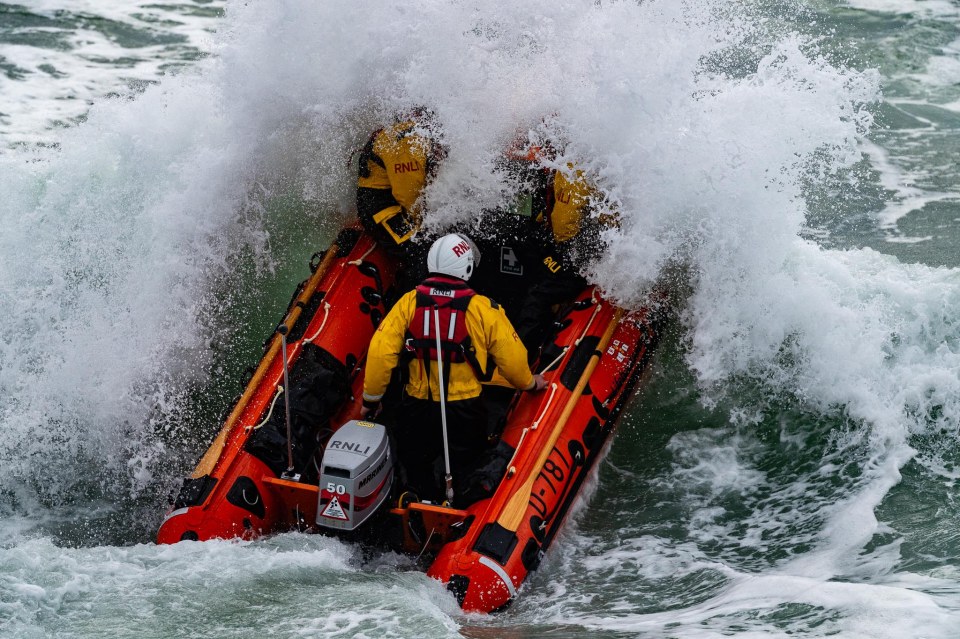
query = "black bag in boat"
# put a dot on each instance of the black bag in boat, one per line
(318, 385)
(482, 479)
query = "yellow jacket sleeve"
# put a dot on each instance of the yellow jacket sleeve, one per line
(397, 160)
(502, 343)
(405, 161)
(394, 167)
(570, 202)
(385, 347)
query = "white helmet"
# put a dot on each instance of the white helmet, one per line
(455, 255)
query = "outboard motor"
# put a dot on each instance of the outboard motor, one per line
(356, 475)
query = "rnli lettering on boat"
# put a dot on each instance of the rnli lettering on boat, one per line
(554, 477)
(406, 167)
(373, 473)
(352, 447)
(439, 292)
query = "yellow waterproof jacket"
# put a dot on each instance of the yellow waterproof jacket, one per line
(492, 336)
(570, 200)
(393, 171)
(566, 216)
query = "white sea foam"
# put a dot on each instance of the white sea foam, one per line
(926, 8)
(297, 584)
(869, 611)
(769, 603)
(110, 241)
(943, 70)
(905, 197)
(56, 85)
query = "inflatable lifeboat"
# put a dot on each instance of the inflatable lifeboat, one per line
(294, 455)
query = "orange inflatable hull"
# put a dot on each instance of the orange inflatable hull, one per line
(558, 436)
(484, 552)
(232, 493)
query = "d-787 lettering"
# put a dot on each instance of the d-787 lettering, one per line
(554, 476)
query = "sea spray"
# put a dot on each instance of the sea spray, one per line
(150, 234)
(150, 199)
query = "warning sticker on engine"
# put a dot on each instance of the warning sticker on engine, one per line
(334, 511)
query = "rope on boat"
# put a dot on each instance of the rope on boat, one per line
(558, 358)
(553, 391)
(511, 469)
(326, 314)
(270, 412)
(512, 513)
(596, 309)
(426, 543)
(359, 260)
(212, 457)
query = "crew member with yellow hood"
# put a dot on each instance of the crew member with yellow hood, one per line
(566, 236)
(395, 165)
(475, 338)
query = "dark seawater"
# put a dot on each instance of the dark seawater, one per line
(790, 467)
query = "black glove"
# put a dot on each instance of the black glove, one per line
(370, 409)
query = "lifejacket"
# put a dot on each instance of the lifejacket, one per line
(447, 299)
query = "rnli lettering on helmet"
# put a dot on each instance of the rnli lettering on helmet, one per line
(406, 167)
(461, 248)
(366, 424)
(440, 292)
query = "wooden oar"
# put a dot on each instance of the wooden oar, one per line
(209, 459)
(513, 512)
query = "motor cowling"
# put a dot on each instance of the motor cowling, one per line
(356, 475)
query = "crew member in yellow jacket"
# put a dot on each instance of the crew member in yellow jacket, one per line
(475, 338)
(395, 165)
(566, 235)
